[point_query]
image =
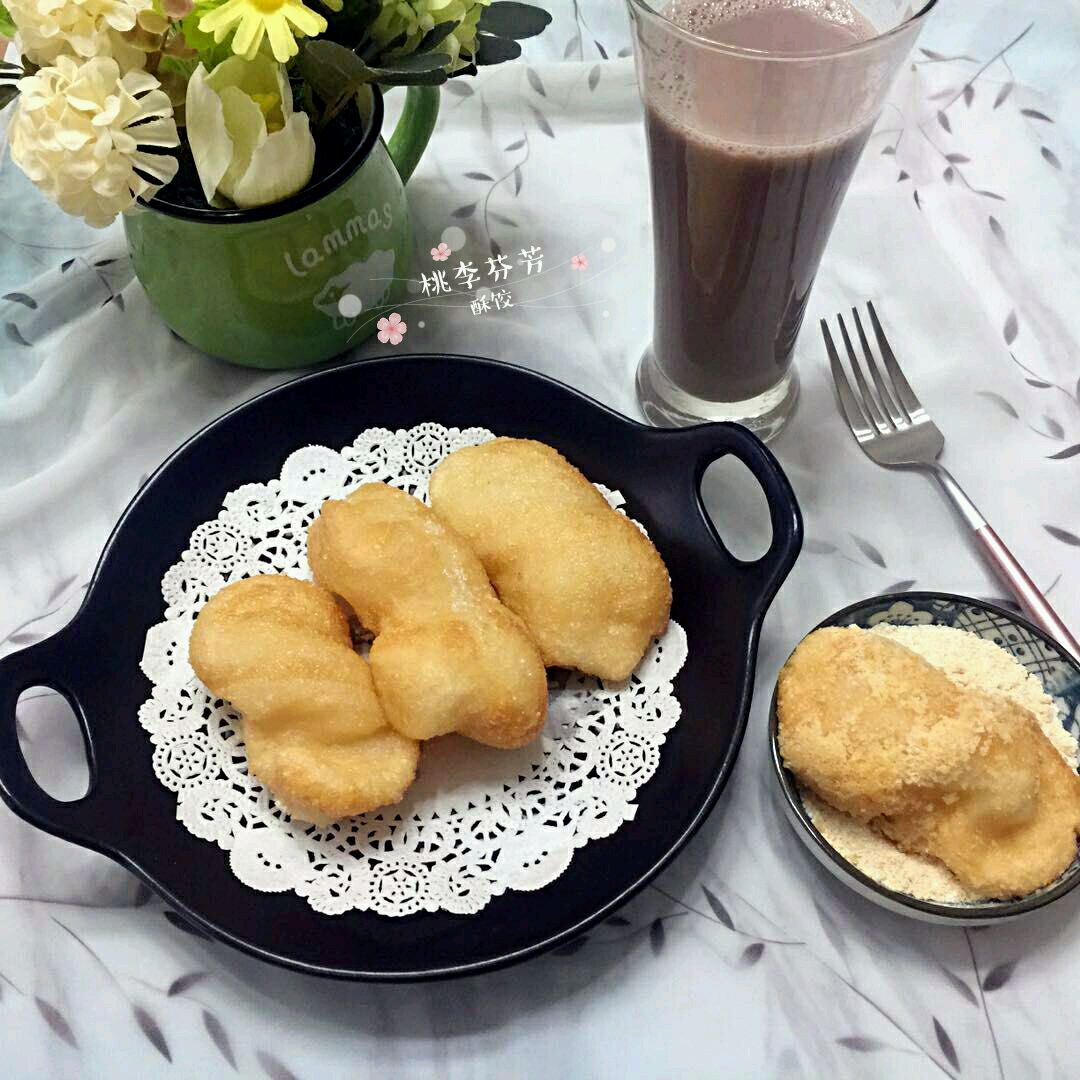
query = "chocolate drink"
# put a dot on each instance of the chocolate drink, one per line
(739, 228)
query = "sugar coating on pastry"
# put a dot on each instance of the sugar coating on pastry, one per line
(967, 777)
(1007, 825)
(447, 655)
(589, 585)
(279, 650)
(869, 725)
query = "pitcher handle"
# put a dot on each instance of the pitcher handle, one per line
(414, 128)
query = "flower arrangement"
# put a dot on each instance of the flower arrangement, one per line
(109, 95)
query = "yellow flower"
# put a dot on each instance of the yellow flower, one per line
(252, 19)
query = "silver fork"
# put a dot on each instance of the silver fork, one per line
(894, 430)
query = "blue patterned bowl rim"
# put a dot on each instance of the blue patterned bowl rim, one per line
(1040, 654)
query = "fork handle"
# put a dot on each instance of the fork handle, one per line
(1024, 589)
(1008, 569)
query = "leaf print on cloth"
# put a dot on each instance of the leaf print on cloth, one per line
(718, 908)
(186, 982)
(15, 334)
(751, 954)
(274, 1068)
(150, 1028)
(21, 298)
(656, 936)
(946, 1045)
(868, 550)
(900, 586)
(218, 1036)
(1050, 157)
(57, 1022)
(1063, 535)
(959, 985)
(862, 1043)
(541, 121)
(1004, 405)
(998, 976)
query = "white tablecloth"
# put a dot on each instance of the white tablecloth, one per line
(979, 291)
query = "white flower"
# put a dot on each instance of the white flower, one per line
(80, 130)
(52, 28)
(247, 142)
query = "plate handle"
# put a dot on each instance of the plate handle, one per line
(42, 664)
(711, 442)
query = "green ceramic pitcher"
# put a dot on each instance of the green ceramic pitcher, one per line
(265, 287)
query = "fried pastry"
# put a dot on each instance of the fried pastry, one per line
(280, 651)
(1008, 824)
(447, 656)
(588, 584)
(870, 726)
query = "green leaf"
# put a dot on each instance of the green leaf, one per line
(330, 69)
(412, 78)
(496, 50)
(417, 69)
(7, 23)
(210, 52)
(8, 94)
(512, 20)
(414, 62)
(436, 35)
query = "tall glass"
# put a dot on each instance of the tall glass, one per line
(750, 153)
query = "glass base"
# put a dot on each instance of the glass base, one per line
(665, 405)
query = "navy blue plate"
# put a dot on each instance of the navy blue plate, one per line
(130, 816)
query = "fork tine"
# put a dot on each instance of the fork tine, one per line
(897, 416)
(870, 406)
(849, 404)
(902, 388)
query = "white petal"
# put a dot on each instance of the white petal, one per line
(258, 76)
(280, 167)
(284, 89)
(160, 166)
(138, 82)
(247, 129)
(210, 144)
(155, 133)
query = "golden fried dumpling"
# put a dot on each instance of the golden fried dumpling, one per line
(1007, 825)
(280, 651)
(869, 725)
(589, 585)
(447, 656)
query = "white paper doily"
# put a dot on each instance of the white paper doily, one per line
(478, 821)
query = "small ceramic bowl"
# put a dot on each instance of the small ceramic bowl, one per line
(1060, 676)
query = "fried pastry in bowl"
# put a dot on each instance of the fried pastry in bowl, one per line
(280, 650)
(958, 801)
(589, 585)
(447, 655)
